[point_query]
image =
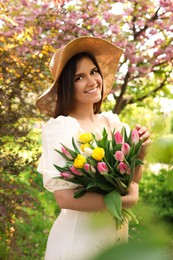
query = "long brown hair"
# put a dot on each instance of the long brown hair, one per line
(65, 85)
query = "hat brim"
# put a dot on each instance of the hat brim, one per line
(106, 54)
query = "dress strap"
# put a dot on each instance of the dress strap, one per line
(107, 121)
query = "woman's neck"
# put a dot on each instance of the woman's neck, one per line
(82, 114)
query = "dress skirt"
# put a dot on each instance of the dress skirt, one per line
(79, 235)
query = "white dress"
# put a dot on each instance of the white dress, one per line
(75, 235)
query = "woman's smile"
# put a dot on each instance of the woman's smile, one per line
(91, 90)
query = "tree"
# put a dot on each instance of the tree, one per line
(31, 31)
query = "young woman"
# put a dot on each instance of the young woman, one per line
(83, 73)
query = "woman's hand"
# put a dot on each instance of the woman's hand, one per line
(132, 196)
(144, 134)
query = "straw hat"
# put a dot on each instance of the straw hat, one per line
(106, 54)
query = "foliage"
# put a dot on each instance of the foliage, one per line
(32, 30)
(157, 190)
(23, 202)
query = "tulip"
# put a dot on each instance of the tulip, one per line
(67, 175)
(75, 171)
(66, 153)
(86, 137)
(125, 148)
(135, 136)
(88, 151)
(123, 167)
(83, 146)
(98, 153)
(119, 156)
(89, 168)
(79, 161)
(102, 167)
(118, 138)
(98, 135)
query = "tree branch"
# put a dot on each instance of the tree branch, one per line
(119, 99)
(162, 84)
(153, 18)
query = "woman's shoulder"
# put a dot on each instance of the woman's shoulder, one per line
(114, 120)
(111, 117)
(61, 123)
(60, 129)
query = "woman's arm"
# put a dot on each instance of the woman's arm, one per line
(92, 201)
(144, 134)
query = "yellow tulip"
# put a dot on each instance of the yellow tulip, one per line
(98, 153)
(82, 147)
(86, 138)
(79, 162)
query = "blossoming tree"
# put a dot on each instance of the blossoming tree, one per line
(31, 30)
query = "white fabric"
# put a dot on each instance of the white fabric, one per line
(73, 236)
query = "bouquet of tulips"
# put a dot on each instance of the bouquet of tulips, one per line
(98, 164)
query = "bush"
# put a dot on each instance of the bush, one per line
(157, 190)
(27, 210)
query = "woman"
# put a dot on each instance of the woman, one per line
(83, 73)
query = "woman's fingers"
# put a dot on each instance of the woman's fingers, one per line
(144, 134)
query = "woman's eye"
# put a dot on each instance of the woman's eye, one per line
(78, 78)
(95, 71)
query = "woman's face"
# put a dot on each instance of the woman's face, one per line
(87, 82)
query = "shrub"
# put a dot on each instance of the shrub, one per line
(157, 190)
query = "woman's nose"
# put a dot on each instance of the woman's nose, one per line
(91, 80)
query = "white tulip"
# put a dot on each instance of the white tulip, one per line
(88, 151)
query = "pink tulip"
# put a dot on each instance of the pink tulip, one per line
(118, 138)
(123, 168)
(119, 156)
(102, 167)
(89, 168)
(135, 136)
(75, 171)
(64, 151)
(125, 148)
(67, 175)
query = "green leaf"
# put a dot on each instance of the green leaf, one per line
(80, 193)
(109, 178)
(114, 204)
(75, 146)
(122, 188)
(124, 133)
(105, 187)
(139, 162)
(92, 185)
(138, 147)
(132, 168)
(61, 169)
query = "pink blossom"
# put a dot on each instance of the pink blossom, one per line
(75, 171)
(119, 156)
(165, 3)
(114, 28)
(107, 15)
(123, 168)
(89, 168)
(67, 175)
(118, 138)
(135, 136)
(66, 153)
(102, 167)
(125, 148)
